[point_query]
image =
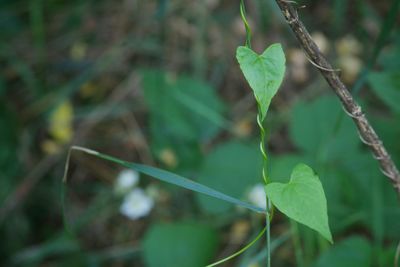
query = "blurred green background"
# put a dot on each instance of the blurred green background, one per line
(157, 82)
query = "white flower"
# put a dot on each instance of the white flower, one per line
(126, 180)
(136, 204)
(257, 196)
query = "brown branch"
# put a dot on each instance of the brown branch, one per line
(366, 132)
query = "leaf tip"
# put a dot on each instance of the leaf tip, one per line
(328, 237)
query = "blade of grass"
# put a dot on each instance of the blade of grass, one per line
(165, 176)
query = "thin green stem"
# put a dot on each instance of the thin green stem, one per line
(240, 251)
(266, 180)
(262, 145)
(262, 149)
(246, 24)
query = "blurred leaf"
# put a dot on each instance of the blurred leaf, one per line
(379, 202)
(302, 199)
(352, 252)
(231, 167)
(390, 59)
(386, 85)
(282, 165)
(179, 245)
(388, 128)
(339, 12)
(16, 229)
(10, 23)
(264, 72)
(183, 111)
(60, 245)
(386, 256)
(342, 196)
(162, 94)
(3, 88)
(346, 171)
(386, 28)
(316, 129)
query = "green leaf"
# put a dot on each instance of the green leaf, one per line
(386, 85)
(169, 177)
(321, 131)
(352, 252)
(179, 245)
(264, 72)
(302, 199)
(231, 167)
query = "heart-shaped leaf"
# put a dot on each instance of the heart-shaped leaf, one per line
(302, 199)
(264, 72)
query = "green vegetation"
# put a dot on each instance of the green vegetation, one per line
(156, 83)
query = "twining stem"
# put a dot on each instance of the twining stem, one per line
(246, 24)
(262, 148)
(265, 178)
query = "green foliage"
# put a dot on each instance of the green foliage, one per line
(8, 155)
(389, 129)
(386, 85)
(346, 171)
(379, 205)
(302, 199)
(322, 134)
(179, 245)
(316, 129)
(389, 59)
(183, 111)
(231, 167)
(352, 252)
(185, 116)
(263, 72)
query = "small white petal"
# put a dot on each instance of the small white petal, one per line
(257, 196)
(126, 180)
(136, 204)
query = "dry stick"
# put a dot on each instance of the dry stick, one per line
(366, 132)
